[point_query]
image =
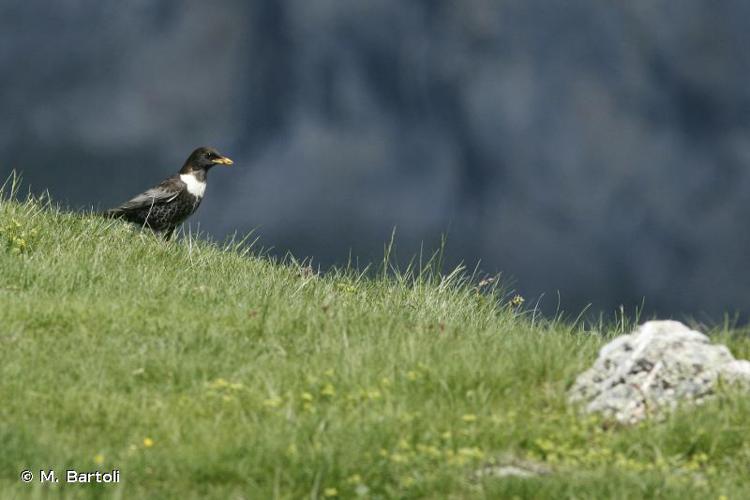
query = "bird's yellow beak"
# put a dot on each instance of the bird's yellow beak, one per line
(223, 160)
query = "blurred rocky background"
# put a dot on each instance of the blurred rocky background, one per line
(596, 149)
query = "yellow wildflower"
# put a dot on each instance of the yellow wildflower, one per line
(274, 402)
(473, 452)
(407, 481)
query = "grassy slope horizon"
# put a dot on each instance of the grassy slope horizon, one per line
(205, 371)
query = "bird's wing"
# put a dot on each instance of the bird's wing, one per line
(165, 192)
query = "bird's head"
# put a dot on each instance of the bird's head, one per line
(202, 159)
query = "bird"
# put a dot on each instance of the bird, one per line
(164, 207)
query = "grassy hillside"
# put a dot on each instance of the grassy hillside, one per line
(200, 371)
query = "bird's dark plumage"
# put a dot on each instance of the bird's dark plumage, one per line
(166, 206)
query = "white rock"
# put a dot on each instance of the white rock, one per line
(510, 466)
(654, 368)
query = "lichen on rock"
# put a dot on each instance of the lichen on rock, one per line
(653, 369)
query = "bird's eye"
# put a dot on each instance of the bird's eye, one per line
(211, 155)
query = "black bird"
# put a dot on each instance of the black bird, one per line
(167, 205)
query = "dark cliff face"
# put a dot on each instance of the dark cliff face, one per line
(602, 151)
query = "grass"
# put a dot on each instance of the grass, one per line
(206, 371)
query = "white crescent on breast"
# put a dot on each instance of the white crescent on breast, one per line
(194, 186)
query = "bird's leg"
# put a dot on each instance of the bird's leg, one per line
(167, 234)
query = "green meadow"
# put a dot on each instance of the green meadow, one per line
(212, 370)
